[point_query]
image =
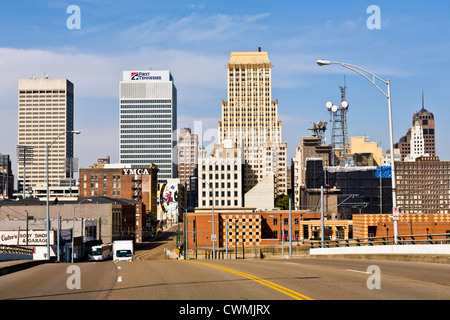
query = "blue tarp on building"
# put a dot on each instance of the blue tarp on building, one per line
(385, 172)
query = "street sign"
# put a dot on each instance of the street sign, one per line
(214, 237)
(396, 214)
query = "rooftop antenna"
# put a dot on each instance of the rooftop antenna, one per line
(338, 118)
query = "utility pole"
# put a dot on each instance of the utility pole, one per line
(290, 228)
(322, 222)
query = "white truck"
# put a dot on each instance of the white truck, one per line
(123, 250)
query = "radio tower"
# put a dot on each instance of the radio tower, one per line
(338, 117)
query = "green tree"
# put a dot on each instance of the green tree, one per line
(282, 202)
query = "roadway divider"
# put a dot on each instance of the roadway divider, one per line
(439, 249)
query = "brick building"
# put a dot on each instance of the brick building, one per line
(379, 225)
(121, 182)
(244, 227)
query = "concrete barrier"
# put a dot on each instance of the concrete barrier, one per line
(436, 249)
(15, 256)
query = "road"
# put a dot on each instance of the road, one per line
(150, 277)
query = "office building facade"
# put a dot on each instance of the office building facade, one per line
(250, 119)
(220, 176)
(46, 110)
(423, 185)
(187, 157)
(424, 119)
(148, 121)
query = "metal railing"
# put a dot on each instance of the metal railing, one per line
(15, 249)
(440, 238)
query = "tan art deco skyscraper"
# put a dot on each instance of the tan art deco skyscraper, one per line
(250, 118)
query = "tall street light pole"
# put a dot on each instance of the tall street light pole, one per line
(372, 79)
(73, 228)
(48, 192)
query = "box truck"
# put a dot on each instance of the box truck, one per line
(123, 250)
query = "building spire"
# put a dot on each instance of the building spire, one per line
(423, 101)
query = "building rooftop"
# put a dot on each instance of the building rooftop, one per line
(249, 58)
(42, 201)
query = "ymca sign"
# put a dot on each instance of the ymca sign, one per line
(133, 171)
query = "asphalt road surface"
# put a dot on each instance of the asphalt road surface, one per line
(151, 276)
(295, 279)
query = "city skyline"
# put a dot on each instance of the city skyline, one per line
(194, 42)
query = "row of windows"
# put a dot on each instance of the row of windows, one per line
(146, 151)
(105, 177)
(222, 202)
(143, 126)
(168, 157)
(148, 141)
(94, 185)
(41, 91)
(145, 107)
(156, 146)
(147, 121)
(222, 193)
(144, 131)
(159, 163)
(147, 101)
(145, 111)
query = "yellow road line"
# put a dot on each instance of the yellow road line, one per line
(274, 286)
(147, 251)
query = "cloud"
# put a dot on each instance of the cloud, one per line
(196, 28)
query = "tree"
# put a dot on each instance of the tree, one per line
(282, 202)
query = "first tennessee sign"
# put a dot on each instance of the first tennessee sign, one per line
(133, 171)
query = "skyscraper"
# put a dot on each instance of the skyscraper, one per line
(187, 157)
(148, 120)
(425, 119)
(45, 111)
(250, 119)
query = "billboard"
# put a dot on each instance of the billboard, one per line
(167, 200)
(19, 238)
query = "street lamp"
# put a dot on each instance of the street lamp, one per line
(213, 236)
(48, 192)
(387, 94)
(73, 227)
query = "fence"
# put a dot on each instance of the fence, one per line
(441, 238)
(249, 252)
(15, 250)
(8, 252)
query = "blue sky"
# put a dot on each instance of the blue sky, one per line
(194, 39)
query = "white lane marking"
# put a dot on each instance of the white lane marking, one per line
(358, 271)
